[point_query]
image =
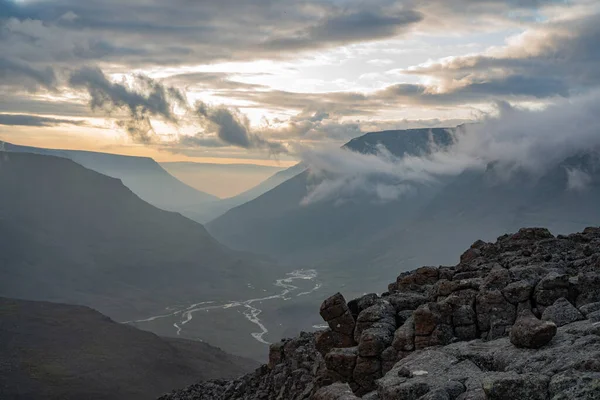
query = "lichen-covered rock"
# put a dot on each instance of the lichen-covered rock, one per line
(404, 337)
(342, 361)
(366, 372)
(337, 391)
(562, 312)
(374, 340)
(530, 332)
(589, 308)
(492, 308)
(382, 313)
(518, 292)
(333, 307)
(551, 288)
(509, 386)
(327, 339)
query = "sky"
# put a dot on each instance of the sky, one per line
(260, 81)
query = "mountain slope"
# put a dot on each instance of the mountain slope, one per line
(213, 210)
(144, 176)
(58, 351)
(73, 235)
(276, 224)
(479, 204)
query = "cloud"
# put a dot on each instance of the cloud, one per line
(516, 141)
(35, 120)
(14, 70)
(577, 180)
(558, 58)
(147, 98)
(233, 128)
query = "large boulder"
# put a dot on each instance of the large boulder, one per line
(562, 312)
(342, 361)
(328, 339)
(337, 391)
(404, 337)
(530, 332)
(336, 313)
(381, 313)
(551, 288)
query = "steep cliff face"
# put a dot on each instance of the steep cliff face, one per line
(518, 318)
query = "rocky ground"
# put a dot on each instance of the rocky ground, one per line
(515, 319)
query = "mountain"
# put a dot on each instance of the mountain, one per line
(223, 180)
(215, 209)
(483, 204)
(59, 351)
(144, 176)
(516, 318)
(73, 235)
(277, 224)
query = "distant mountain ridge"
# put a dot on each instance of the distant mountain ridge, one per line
(277, 224)
(59, 351)
(144, 176)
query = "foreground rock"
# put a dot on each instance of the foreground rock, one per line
(529, 332)
(514, 319)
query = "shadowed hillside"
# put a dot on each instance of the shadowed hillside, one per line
(73, 235)
(58, 351)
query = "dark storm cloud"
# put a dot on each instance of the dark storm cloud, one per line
(347, 27)
(148, 99)
(34, 120)
(233, 128)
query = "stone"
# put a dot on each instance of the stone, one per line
(327, 340)
(366, 372)
(367, 301)
(562, 312)
(371, 396)
(337, 391)
(589, 308)
(464, 315)
(429, 315)
(496, 279)
(530, 332)
(512, 386)
(342, 361)
(388, 359)
(594, 316)
(333, 307)
(469, 255)
(518, 292)
(588, 285)
(532, 234)
(403, 316)
(373, 341)
(551, 288)
(468, 332)
(477, 394)
(404, 337)
(403, 301)
(343, 324)
(382, 313)
(275, 354)
(405, 389)
(491, 306)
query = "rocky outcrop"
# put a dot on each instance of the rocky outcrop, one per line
(517, 318)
